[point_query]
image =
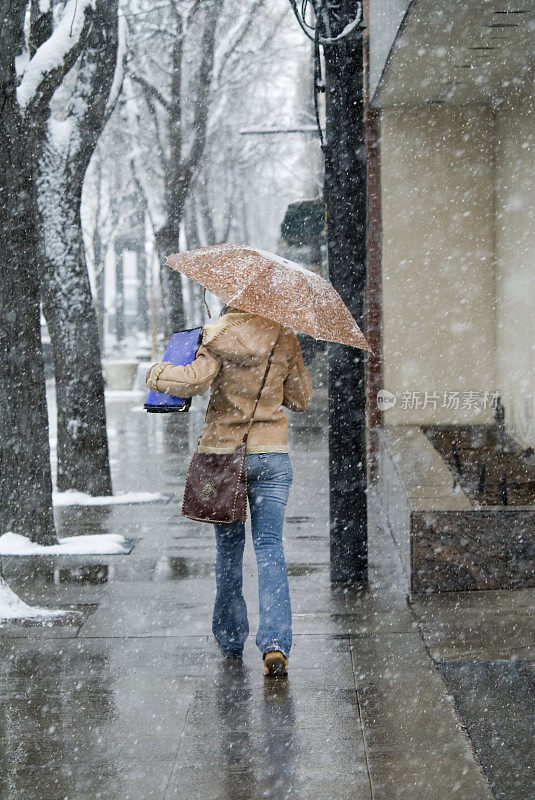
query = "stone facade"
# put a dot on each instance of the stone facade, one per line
(444, 542)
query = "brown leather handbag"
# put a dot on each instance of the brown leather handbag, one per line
(216, 484)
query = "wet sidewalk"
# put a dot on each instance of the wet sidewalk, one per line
(134, 701)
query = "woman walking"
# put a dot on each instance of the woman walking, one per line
(237, 352)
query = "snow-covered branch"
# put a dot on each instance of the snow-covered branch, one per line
(152, 90)
(55, 57)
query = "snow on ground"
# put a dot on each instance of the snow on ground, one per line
(13, 544)
(12, 607)
(73, 498)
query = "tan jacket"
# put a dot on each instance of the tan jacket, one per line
(232, 360)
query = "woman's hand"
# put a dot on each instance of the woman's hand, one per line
(151, 378)
(148, 372)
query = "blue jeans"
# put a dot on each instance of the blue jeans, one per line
(269, 476)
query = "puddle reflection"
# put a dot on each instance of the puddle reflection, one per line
(39, 571)
(81, 573)
(257, 743)
(299, 570)
(171, 568)
(279, 734)
(179, 567)
(234, 714)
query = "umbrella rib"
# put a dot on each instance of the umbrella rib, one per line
(312, 305)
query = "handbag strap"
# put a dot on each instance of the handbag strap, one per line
(264, 379)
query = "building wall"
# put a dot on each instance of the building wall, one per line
(515, 249)
(438, 272)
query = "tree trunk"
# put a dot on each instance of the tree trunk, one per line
(142, 298)
(345, 198)
(100, 276)
(99, 259)
(83, 458)
(173, 302)
(119, 294)
(25, 485)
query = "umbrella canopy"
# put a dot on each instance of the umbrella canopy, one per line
(272, 287)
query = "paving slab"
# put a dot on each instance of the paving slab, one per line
(490, 624)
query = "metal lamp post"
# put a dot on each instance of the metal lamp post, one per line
(345, 200)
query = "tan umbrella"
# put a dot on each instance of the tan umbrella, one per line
(272, 287)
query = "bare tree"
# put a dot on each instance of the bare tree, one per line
(66, 120)
(236, 170)
(239, 187)
(179, 115)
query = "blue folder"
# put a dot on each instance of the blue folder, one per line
(180, 351)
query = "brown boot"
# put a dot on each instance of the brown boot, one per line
(275, 663)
